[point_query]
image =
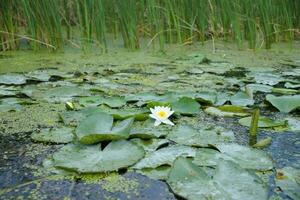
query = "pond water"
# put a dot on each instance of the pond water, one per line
(77, 126)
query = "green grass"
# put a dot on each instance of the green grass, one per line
(84, 23)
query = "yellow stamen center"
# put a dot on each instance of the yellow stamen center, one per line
(162, 114)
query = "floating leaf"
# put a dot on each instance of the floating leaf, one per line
(186, 105)
(90, 158)
(239, 183)
(206, 97)
(284, 103)
(291, 85)
(288, 179)
(113, 102)
(229, 182)
(187, 135)
(120, 114)
(284, 91)
(227, 111)
(146, 130)
(12, 79)
(159, 173)
(192, 182)
(260, 88)
(164, 156)
(150, 145)
(246, 157)
(57, 135)
(99, 127)
(263, 122)
(241, 99)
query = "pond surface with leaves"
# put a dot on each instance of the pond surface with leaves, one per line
(85, 133)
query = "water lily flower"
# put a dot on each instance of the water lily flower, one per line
(161, 115)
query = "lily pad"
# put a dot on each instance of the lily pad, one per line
(227, 111)
(99, 127)
(113, 102)
(186, 106)
(150, 145)
(120, 114)
(263, 122)
(206, 97)
(288, 179)
(291, 85)
(246, 157)
(57, 135)
(229, 182)
(12, 79)
(191, 182)
(146, 130)
(284, 103)
(90, 158)
(165, 156)
(187, 135)
(239, 183)
(159, 173)
(241, 99)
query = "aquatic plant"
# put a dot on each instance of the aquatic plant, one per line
(56, 23)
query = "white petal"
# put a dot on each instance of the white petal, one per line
(167, 121)
(157, 122)
(170, 113)
(152, 110)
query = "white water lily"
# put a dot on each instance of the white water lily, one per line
(161, 115)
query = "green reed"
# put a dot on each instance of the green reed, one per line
(84, 23)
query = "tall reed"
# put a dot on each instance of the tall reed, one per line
(55, 23)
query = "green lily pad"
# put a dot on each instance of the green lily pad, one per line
(186, 106)
(260, 88)
(12, 79)
(263, 122)
(150, 145)
(159, 173)
(229, 182)
(146, 130)
(90, 158)
(192, 182)
(164, 156)
(239, 183)
(38, 75)
(57, 135)
(113, 102)
(10, 104)
(120, 114)
(284, 103)
(99, 127)
(63, 93)
(72, 118)
(246, 157)
(267, 78)
(187, 135)
(291, 85)
(206, 97)
(284, 91)
(241, 99)
(227, 111)
(288, 179)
